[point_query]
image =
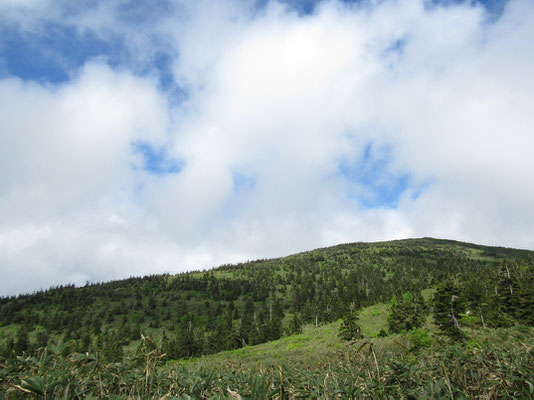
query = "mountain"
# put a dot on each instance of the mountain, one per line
(418, 315)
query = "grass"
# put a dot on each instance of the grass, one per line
(321, 343)
(373, 319)
(313, 347)
(492, 363)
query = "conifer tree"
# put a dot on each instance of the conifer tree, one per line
(260, 327)
(245, 329)
(135, 332)
(447, 306)
(275, 328)
(276, 314)
(223, 337)
(165, 345)
(295, 326)
(112, 349)
(507, 299)
(23, 340)
(350, 329)
(263, 324)
(186, 341)
(406, 314)
(42, 339)
(525, 311)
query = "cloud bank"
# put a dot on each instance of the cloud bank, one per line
(195, 134)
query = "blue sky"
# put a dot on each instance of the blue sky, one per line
(145, 137)
(52, 53)
(371, 171)
(156, 160)
(56, 52)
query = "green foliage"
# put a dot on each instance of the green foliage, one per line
(296, 325)
(419, 338)
(350, 329)
(22, 343)
(235, 309)
(407, 313)
(497, 367)
(468, 319)
(447, 307)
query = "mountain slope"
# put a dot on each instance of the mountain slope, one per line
(317, 286)
(419, 286)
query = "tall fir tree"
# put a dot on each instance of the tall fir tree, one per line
(407, 313)
(246, 326)
(295, 326)
(187, 343)
(22, 343)
(447, 308)
(507, 299)
(525, 311)
(350, 328)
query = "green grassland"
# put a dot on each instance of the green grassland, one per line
(493, 363)
(313, 345)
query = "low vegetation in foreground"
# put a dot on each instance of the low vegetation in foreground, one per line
(419, 318)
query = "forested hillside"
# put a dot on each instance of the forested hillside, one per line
(422, 287)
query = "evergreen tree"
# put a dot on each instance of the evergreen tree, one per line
(276, 314)
(275, 328)
(223, 337)
(260, 327)
(525, 311)
(23, 340)
(135, 332)
(507, 299)
(447, 307)
(295, 326)
(41, 339)
(255, 334)
(166, 346)
(350, 329)
(124, 333)
(96, 326)
(477, 297)
(406, 314)
(186, 341)
(246, 327)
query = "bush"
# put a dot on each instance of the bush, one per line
(419, 338)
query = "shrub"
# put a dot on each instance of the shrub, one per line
(419, 338)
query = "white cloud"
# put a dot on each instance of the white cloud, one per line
(281, 100)
(66, 160)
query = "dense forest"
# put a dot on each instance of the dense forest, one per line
(428, 288)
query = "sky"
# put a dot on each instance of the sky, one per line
(144, 137)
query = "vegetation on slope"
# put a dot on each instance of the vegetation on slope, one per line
(494, 363)
(432, 314)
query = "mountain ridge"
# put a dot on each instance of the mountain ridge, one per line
(419, 293)
(502, 250)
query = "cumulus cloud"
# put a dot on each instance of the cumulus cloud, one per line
(355, 122)
(67, 168)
